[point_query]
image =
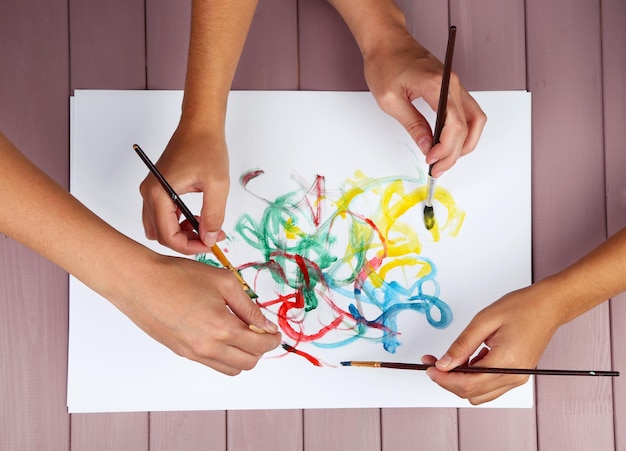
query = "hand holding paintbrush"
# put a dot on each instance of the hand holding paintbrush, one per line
(192, 219)
(429, 213)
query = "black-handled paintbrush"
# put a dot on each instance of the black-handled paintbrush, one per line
(429, 213)
(478, 369)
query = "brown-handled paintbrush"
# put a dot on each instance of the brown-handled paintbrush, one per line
(429, 213)
(478, 369)
(192, 219)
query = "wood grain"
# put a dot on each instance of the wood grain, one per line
(614, 98)
(569, 210)
(569, 54)
(107, 42)
(33, 292)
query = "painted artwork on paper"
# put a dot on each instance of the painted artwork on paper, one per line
(325, 221)
(342, 264)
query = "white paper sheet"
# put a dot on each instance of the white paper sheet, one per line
(294, 137)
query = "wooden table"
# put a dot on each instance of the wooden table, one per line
(570, 54)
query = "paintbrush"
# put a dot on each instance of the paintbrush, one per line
(429, 213)
(478, 369)
(192, 220)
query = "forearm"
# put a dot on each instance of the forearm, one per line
(43, 216)
(596, 277)
(218, 34)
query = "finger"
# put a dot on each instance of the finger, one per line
(231, 346)
(490, 396)
(179, 237)
(230, 360)
(213, 209)
(476, 120)
(401, 109)
(250, 313)
(453, 135)
(465, 345)
(464, 385)
(160, 217)
(148, 225)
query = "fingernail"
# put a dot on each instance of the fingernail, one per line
(444, 361)
(425, 145)
(210, 238)
(270, 327)
(256, 329)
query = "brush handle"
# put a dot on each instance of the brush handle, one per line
(443, 94)
(478, 369)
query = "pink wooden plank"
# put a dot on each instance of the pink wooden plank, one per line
(189, 431)
(107, 43)
(568, 209)
(498, 429)
(331, 60)
(433, 429)
(329, 56)
(490, 54)
(109, 432)
(33, 292)
(108, 52)
(265, 430)
(269, 58)
(490, 50)
(427, 20)
(33, 345)
(326, 429)
(614, 69)
(167, 42)
(269, 61)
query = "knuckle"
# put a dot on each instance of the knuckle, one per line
(467, 389)
(414, 127)
(386, 101)
(461, 346)
(249, 364)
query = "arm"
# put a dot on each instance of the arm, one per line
(518, 327)
(196, 158)
(179, 302)
(399, 70)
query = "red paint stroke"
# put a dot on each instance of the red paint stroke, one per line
(250, 175)
(309, 357)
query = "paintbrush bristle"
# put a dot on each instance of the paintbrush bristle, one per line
(429, 217)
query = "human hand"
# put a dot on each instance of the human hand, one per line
(193, 161)
(198, 311)
(404, 71)
(515, 329)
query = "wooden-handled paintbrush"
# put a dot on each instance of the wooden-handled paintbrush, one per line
(429, 213)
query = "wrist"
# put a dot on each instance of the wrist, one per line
(560, 298)
(374, 24)
(206, 113)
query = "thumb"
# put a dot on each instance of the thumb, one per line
(250, 313)
(212, 214)
(463, 347)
